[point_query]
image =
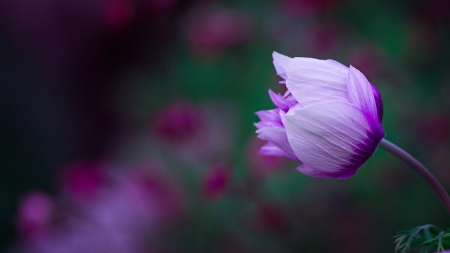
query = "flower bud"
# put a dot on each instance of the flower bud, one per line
(329, 119)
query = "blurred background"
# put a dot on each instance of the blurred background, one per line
(127, 125)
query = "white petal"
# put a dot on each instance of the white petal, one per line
(361, 93)
(277, 136)
(332, 139)
(312, 81)
(281, 62)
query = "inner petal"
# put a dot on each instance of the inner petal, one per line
(312, 81)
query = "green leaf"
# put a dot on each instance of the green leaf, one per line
(427, 236)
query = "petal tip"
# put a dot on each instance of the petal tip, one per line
(283, 59)
(281, 62)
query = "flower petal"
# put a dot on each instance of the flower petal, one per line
(379, 103)
(313, 81)
(332, 139)
(361, 93)
(277, 136)
(282, 102)
(278, 101)
(269, 118)
(270, 149)
(281, 62)
(312, 172)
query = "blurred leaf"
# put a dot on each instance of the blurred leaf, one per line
(427, 236)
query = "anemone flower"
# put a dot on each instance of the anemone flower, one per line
(329, 119)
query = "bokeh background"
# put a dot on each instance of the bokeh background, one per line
(127, 125)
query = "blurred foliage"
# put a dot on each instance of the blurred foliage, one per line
(428, 237)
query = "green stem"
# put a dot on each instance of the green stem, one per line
(419, 168)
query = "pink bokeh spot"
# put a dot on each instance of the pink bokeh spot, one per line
(209, 33)
(117, 14)
(34, 215)
(178, 121)
(216, 181)
(83, 181)
(195, 132)
(157, 194)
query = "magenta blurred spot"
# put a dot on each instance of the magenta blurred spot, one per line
(83, 181)
(34, 215)
(178, 121)
(216, 181)
(157, 194)
(210, 32)
(117, 14)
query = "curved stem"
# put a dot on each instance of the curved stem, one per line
(419, 168)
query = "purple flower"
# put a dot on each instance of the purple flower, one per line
(329, 119)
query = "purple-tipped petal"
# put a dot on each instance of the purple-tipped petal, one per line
(284, 103)
(264, 124)
(269, 117)
(278, 101)
(313, 81)
(334, 138)
(281, 62)
(360, 93)
(379, 103)
(277, 136)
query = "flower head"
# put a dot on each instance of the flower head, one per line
(329, 119)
